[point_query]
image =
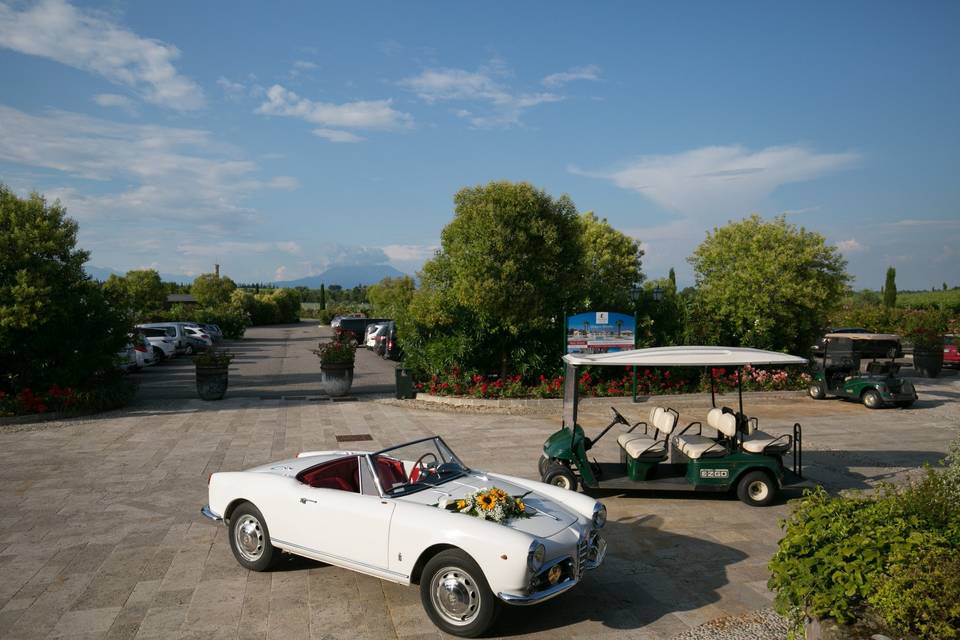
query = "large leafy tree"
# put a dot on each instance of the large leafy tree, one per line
(142, 290)
(391, 296)
(212, 290)
(767, 284)
(610, 265)
(509, 265)
(56, 325)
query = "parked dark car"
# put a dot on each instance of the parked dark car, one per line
(391, 348)
(356, 328)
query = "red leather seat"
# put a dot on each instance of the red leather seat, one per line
(342, 474)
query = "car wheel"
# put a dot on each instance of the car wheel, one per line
(872, 399)
(757, 489)
(817, 391)
(189, 350)
(158, 354)
(560, 475)
(250, 538)
(456, 596)
(542, 464)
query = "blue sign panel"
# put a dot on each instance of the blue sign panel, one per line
(600, 332)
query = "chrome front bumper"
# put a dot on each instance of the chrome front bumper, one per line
(595, 555)
(207, 513)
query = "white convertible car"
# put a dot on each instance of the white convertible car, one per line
(415, 514)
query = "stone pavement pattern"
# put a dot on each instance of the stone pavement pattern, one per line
(100, 535)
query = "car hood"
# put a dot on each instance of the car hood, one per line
(547, 517)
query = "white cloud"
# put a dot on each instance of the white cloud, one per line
(726, 181)
(504, 106)
(336, 135)
(88, 41)
(280, 273)
(850, 246)
(361, 114)
(235, 247)
(410, 252)
(166, 173)
(585, 72)
(113, 100)
(231, 88)
(305, 65)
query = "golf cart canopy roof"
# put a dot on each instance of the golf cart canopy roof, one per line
(889, 337)
(683, 357)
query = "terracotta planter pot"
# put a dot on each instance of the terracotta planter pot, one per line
(928, 363)
(337, 378)
(212, 382)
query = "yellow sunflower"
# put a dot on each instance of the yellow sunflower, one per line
(499, 494)
(461, 504)
(519, 504)
(486, 501)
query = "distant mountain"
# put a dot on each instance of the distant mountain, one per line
(347, 276)
(102, 273)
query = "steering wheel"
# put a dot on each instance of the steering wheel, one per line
(420, 467)
(618, 417)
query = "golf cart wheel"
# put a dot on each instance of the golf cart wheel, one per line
(816, 391)
(560, 475)
(542, 464)
(757, 489)
(872, 399)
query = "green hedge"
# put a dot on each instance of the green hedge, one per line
(890, 556)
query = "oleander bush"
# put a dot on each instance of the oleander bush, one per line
(890, 555)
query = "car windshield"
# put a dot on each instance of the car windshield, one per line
(414, 466)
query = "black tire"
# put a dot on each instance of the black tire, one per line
(757, 489)
(159, 355)
(871, 399)
(189, 350)
(250, 539)
(542, 464)
(560, 475)
(816, 391)
(455, 594)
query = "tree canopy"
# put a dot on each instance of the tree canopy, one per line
(212, 290)
(142, 290)
(890, 288)
(56, 325)
(610, 266)
(767, 284)
(391, 296)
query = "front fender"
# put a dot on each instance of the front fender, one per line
(559, 445)
(501, 552)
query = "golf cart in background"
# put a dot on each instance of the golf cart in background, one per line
(663, 455)
(862, 367)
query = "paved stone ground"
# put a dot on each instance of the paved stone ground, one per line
(100, 535)
(270, 361)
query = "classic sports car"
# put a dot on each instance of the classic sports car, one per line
(415, 514)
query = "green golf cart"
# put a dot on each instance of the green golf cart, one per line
(862, 367)
(660, 454)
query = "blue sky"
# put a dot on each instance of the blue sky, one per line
(282, 141)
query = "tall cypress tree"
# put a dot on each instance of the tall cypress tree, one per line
(323, 296)
(890, 289)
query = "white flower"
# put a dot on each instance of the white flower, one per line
(443, 503)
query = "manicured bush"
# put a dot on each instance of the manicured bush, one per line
(109, 392)
(875, 556)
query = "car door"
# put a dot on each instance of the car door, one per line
(336, 519)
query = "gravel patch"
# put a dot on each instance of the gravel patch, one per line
(765, 624)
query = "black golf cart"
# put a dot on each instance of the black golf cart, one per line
(862, 367)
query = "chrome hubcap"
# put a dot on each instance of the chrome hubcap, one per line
(562, 481)
(758, 490)
(455, 595)
(249, 538)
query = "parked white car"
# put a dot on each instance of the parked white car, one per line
(163, 341)
(373, 332)
(400, 514)
(143, 351)
(199, 335)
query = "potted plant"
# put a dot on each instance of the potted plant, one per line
(925, 328)
(213, 373)
(336, 364)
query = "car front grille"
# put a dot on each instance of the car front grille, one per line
(582, 550)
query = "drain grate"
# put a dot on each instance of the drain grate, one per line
(362, 437)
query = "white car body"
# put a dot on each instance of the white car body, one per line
(374, 330)
(199, 334)
(392, 537)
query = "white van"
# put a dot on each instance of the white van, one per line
(174, 330)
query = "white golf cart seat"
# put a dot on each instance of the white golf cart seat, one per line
(649, 443)
(756, 441)
(697, 445)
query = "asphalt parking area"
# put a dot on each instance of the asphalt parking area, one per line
(100, 535)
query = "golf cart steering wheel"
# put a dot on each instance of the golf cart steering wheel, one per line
(617, 416)
(420, 467)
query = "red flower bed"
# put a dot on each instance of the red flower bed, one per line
(55, 398)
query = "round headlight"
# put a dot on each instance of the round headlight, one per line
(599, 515)
(535, 556)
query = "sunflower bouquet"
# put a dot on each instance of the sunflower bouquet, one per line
(489, 504)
